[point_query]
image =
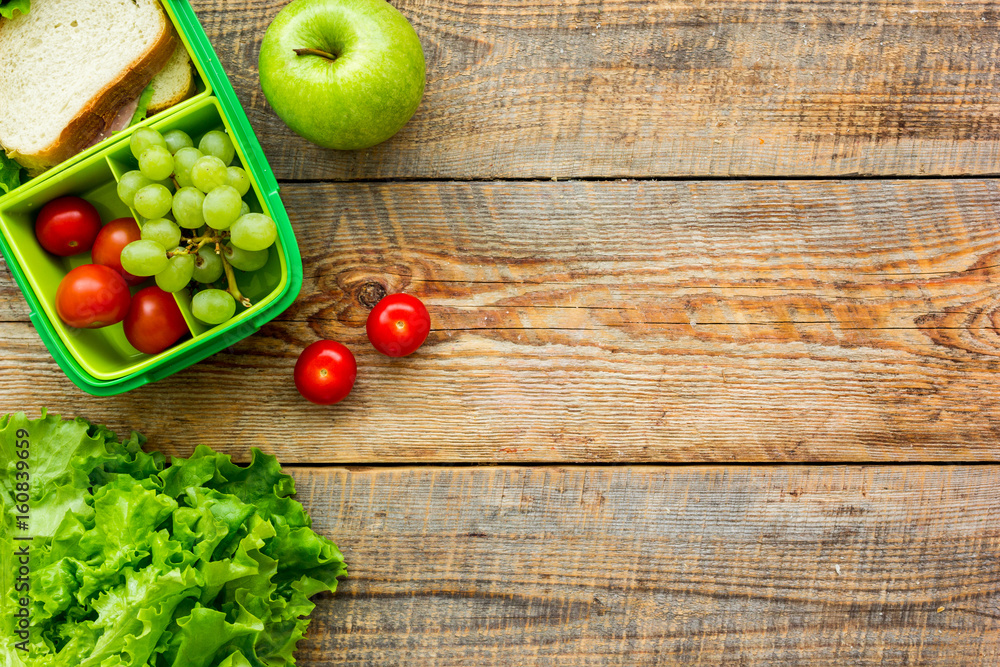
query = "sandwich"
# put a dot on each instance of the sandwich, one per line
(72, 73)
(174, 83)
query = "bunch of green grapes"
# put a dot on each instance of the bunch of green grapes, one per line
(195, 225)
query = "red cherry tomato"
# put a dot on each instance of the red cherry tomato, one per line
(154, 322)
(67, 226)
(107, 250)
(92, 296)
(325, 372)
(398, 325)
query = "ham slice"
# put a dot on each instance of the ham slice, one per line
(118, 123)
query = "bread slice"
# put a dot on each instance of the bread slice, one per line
(174, 83)
(67, 67)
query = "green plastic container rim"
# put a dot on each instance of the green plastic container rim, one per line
(191, 32)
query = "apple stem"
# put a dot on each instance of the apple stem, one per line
(316, 52)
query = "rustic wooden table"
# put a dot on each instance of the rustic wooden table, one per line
(715, 370)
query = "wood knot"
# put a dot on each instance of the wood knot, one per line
(371, 293)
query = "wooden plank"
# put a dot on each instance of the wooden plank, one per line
(659, 566)
(632, 321)
(596, 321)
(610, 88)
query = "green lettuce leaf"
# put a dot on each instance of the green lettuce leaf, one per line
(10, 171)
(8, 7)
(203, 633)
(261, 484)
(203, 563)
(133, 616)
(126, 458)
(235, 659)
(143, 108)
(62, 452)
(126, 515)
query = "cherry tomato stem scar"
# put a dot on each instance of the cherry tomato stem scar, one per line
(325, 372)
(398, 325)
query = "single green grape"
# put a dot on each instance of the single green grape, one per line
(184, 160)
(144, 138)
(130, 183)
(244, 209)
(156, 163)
(254, 231)
(207, 265)
(208, 173)
(163, 231)
(213, 306)
(219, 144)
(238, 179)
(144, 258)
(177, 274)
(187, 205)
(176, 140)
(244, 260)
(153, 201)
(221, 207)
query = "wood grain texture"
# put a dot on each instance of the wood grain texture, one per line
(614, 322)
(605, 566)
(634, 88)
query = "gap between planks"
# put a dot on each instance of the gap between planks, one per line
(361, 466)
(646, 179)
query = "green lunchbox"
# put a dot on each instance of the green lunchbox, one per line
(101, 361)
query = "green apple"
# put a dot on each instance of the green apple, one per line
(344, 74)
